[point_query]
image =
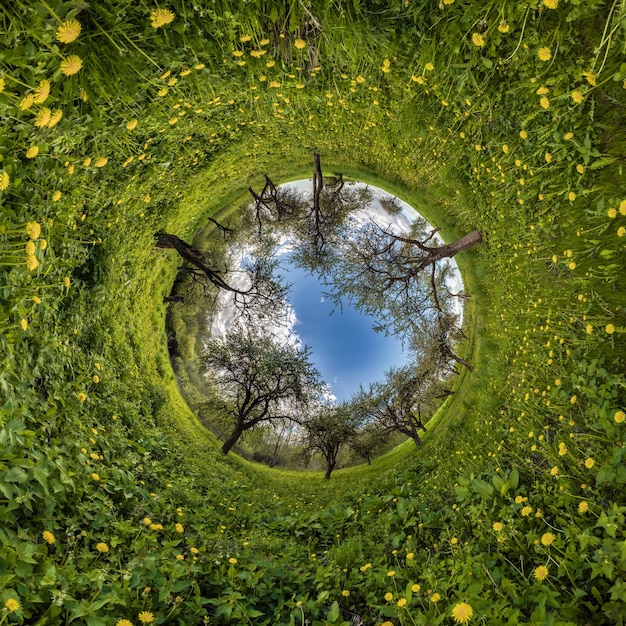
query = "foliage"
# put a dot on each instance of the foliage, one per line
(115, 503)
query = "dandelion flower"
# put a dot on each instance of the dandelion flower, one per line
(435, 598)
(526, 511)
(619, 417)
(42, 92)
(32, 263)
(43, 117)
(478, 40)
(131, 125)
(68, 31)
(590, 77)
(621, 231)
(32, 152)
(571, 196)
(5, 180)
(123, 622)
(264, 42)
(159, 18)
(48, 537)
(102, 547)
(55, 118)
(232, 560)
(580, 168)
(551, 4)
(416, 588)
(462, 613)
(145, 617)
(610, 329)
(544, 54)
(26, 102)
(101, 161)
(541, 572)
(583, 506)
(180, 528)
(33, 230)
(577, 96)
(71, 65)
(345, 593)
(1, 84)
(300, 44)
(24, 324)
(544, 103)
(589, 463)
(81, 396)
(547, 539)
(497, 526)
(56, 196)
(504, 27)
(554, 471)
(401, 602)
(12, 605)
(622, 207)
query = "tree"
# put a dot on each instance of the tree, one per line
(398, 279)
(252, 286)
(259, 379)
(368, 441)
(328, 430)
(402, 403)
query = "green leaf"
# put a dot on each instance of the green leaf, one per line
(333, 614)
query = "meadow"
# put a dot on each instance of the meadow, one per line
(122, 119)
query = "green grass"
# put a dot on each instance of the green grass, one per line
(524, 467)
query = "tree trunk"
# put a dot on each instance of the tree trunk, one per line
(448, 251)
(329, 469)
(232, 440)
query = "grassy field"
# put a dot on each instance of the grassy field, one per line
(121, 119)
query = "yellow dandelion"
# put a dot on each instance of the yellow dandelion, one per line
(81, 396)
(300, 44)
(619, 417)
(568, 136)
(68, 31)
(554, 471)
(199, 66)
(1, 84)
(43, 117)
(435, 598)
(48, 537)
(541, 572)
(26, 102)
(544, 54)
(11, 605)
(24, 324)
(504, 27)
(583, 506)
(589, 463)
(416, 588)
(622, 207)
(589, 329)
(345, 593)
(30, 248)
(102, 547)
(580, 168)
(56, 196)
(548, 157)
(544, 103)
(131, 125)
(87, 162)
(526, 511)
(551, 4)
(591, 78)
(55, 118)
(462, 613)
(621, 231)
(577, 96)
(264, 42)
(101, 161)
(123, 622)
(237, 53)
(159, 18)
(71, 65)
(147, 521)
(162, 92)
(547, 539)
(179, 528)
(401, 602)
(32, 152)
(232, 560)
(42, 92)
(180, 557)
(478, 40)
(497, 526)
(523, 134)
(571, 196)
(145, 617)
(389, 596)
(245, 38)
(257, 54)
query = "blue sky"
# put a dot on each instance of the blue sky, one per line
(345, 349)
